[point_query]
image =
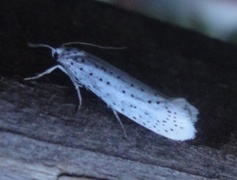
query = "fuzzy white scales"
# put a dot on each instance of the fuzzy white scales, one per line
(172, 118)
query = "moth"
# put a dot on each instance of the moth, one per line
(173, 118)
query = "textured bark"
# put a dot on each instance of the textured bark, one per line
(43, 137)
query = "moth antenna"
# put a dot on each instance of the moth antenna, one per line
(40, 45)
(94, 45)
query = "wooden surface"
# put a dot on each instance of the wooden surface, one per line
(43, 137)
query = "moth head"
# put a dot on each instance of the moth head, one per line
(55, 51)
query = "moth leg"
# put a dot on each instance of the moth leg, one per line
(48, 71)
(77, 86)
(120, 122)
(79, 95)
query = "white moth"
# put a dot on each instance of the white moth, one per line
(173, 118)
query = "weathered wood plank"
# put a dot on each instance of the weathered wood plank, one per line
(43, 144)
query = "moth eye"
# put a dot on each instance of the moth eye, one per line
(55, 56)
